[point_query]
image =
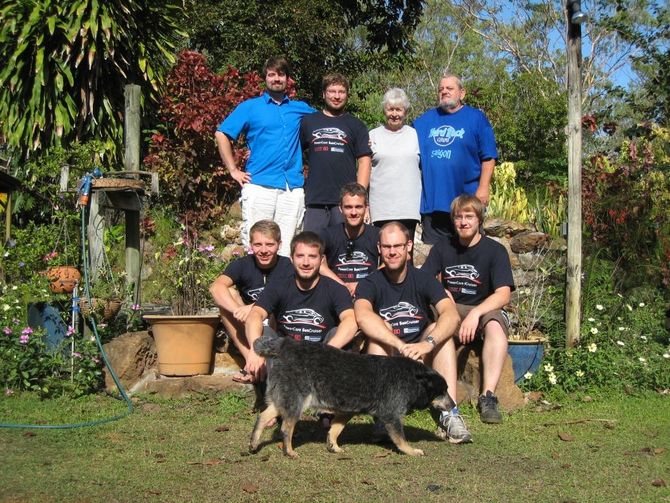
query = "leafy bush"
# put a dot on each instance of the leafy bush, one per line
(27, 364)
(623, 343)
(625, 204)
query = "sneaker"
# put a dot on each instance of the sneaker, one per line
(452, 428)
(488, 408)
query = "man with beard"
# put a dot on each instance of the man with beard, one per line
(351, 247)
(338, 152)
(393, 309)
(308, 307)
(238, 288)
(458, 154)
(475, 270)
(272, 182)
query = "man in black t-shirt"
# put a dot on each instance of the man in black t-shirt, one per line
(338, 152)
(308, 307)
(476, 272)
(393, 309)
(351, 248)
(238, 288)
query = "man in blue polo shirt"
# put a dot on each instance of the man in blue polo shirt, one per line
(458, 154)
(272, 181)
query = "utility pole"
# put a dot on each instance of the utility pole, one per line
(574, 18)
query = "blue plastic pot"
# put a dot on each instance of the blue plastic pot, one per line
(526, 357)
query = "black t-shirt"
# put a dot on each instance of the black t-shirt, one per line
(333, 145)
(355, 262)
(470, 274)
(250, 280)
(405, 305)
(306, 315)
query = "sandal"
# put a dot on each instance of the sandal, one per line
(243, 377)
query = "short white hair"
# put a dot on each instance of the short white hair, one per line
(448, 75)
(394, 97)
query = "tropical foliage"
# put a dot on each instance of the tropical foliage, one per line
(65, 65)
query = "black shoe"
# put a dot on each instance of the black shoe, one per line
(488, 408)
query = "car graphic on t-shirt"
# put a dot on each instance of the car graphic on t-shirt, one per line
(466, 271)
(400, 310)
(356, 258)
(329, 133)
(254, 293)
(307, 316)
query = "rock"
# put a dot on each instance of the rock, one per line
(499, 227)
(421, 251)
(177, 387)
(529, 261)
(231, 234)
(529, 241)
(130, 355)
(232, 251)
(235, 210)
(509, 395)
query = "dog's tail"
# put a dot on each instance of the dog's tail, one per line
(268, 345)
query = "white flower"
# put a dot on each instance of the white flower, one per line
(621, 329)
(548, 367)
(5, 307)
(552, 378)
(528, 375)
(579, 373)
(641, 304)
(6, 254)
(629, 307)
(643, 360)
(620, 343)
(619, 295)
(592, 347)
(643, 337)
(14, 287)
(666, 355)
(594, 330)
(591, 320)
(599, 307)
(619, 318)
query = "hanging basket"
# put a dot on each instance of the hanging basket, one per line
(63, 278)
(107, 308)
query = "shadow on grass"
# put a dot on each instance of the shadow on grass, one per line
(310, 431)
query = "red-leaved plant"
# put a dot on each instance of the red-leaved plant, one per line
(183, 152)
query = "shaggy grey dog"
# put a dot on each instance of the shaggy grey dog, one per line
(308, 374)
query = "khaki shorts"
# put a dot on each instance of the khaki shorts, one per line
(498, 315)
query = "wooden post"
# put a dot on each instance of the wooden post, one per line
(8, 217)
(131, 162)
(574, 259)
(96, 232)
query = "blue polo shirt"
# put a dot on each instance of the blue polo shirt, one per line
(272, 133)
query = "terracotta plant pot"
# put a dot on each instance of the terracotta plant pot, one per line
(184, 343)
(63, 278)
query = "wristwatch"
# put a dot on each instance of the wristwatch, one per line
(431, 340)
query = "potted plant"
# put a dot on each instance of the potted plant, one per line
(530, 303)
(185, 338)
(61, 274)
(106, 294)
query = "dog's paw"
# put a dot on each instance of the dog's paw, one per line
(415, 452)
(334, 448)
(292, 454)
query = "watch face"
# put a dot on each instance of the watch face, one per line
(430, 339)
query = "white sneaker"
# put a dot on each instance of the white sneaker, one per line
(452, 428)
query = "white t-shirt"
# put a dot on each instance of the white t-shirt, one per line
(395, 182)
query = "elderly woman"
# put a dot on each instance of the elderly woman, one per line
(395, 182)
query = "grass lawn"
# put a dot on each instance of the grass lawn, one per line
(613, 448)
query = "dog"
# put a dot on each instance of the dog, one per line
(309, 374)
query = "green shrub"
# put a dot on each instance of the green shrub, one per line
(623, 343)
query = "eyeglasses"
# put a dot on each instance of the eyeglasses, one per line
(350, 250)
(465, 218)
(397, 247)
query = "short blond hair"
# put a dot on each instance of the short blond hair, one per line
(267, 228)
(468, 202)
